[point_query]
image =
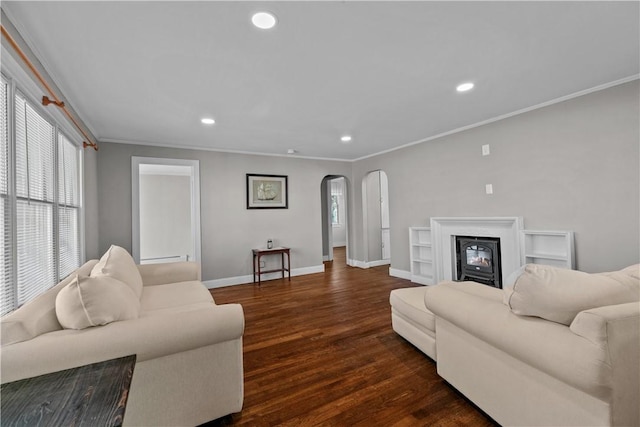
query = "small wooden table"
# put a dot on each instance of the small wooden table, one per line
(259, 253)
(90, 395)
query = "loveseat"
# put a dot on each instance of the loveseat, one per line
(189, 350)
(555, 347)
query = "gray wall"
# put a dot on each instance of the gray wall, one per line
(569, 166)
(374, 226)
(91, 206)
(229, 230)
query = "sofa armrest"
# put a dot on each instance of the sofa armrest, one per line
(597, 324)
(171, 272)
(148, 337)
(616, 328)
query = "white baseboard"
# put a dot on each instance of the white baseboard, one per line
(356, 263)
(241, 280)
(379, 263)
(402, 274)
(369, 264)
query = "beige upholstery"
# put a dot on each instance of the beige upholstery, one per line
(559, 294)
(118, 263)
(38, 316)
(525, 370)
(411, 319)
(189, 350)
(94, 301)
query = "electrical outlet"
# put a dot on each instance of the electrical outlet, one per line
(486, 150)
(489, 188)
(262, 265)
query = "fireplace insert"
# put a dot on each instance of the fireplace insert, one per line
(478, 259)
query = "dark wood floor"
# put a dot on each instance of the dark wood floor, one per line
(319, 350)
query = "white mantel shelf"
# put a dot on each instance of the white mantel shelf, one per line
(444, 230)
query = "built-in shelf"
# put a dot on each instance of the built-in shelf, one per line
(421, 255)
(554, 248)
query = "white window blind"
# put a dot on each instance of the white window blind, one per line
(40, 191)
(7, 293)
(35, 186)
(68, 206)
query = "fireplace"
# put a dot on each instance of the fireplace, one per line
(478, 259)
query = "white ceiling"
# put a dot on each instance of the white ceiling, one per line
(383, 72)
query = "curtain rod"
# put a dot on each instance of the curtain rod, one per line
(45, 99)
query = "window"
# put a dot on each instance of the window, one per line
(41, 203)
(337, 199)
(335, 210)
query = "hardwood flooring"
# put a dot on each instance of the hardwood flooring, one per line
(319, 350)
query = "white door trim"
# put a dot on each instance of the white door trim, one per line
(135, 201)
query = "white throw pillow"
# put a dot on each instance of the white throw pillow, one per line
(94, 301)
(118, 263)
(559, 294)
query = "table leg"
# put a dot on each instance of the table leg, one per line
(288, 265)
(254, 268)
(259, 270)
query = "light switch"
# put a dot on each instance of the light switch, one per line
(486, 150)
(489, 188)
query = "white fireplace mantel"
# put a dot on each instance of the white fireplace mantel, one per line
(444, 230)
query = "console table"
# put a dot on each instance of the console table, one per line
(259, 253)
(90, 395)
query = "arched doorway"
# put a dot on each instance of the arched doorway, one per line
(335, 224)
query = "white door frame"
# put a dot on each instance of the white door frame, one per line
(135, 200)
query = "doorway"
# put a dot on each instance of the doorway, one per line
(165, 210)
(335, 228)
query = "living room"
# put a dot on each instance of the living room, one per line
(562, 159)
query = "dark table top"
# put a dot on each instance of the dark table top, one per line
(90, 395)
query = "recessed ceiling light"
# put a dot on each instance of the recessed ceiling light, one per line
(208, 121)
(291, 151)
(264, 20)
(464, 87)
(345, 138)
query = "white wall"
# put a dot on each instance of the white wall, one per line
(229, 230)
(165, 216)
(569, 166)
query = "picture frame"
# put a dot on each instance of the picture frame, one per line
(267, 191)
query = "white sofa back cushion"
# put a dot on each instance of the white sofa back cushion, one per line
(119, 264)
(559, 294)
(94, 301)
(38, 316)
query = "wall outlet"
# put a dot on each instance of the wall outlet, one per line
(489, 188)
(486, 150)
(262, 265)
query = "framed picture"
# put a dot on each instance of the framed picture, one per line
(267, 191)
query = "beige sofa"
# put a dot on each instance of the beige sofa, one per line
(579, 369)
(189, 350)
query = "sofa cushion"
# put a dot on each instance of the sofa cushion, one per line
(409, 302)
(119, 264)
(94, 301)
(559, 294)
(174, 295)
(37, 316)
